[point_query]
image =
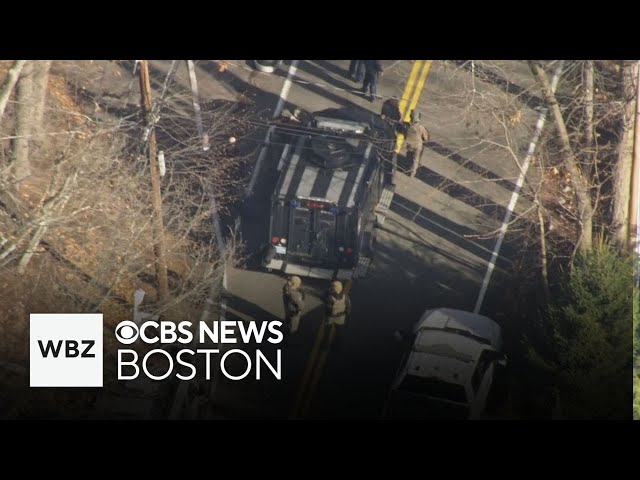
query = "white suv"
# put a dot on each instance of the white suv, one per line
(450, 368)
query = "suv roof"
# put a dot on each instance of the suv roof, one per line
(449, 342)
(472, 325)
(441, 363)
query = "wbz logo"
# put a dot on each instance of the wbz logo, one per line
(70, 350)
(65, 350)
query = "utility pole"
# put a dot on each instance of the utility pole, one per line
(159, 248)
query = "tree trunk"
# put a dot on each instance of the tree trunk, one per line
(543, 255)
(622, 168)
(40, 84)
(588, 89)
(24, 120)
(9, 83)
(578, 181)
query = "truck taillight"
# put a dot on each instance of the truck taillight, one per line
(275, 240)
(348, 250)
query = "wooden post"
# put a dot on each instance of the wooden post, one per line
(159, 248)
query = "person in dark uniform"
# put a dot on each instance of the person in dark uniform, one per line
(372, 71)
(356, 70)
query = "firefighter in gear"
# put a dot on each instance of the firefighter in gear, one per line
(337, 304)
(293, 297)
(416, 137)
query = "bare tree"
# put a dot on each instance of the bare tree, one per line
(24, 123)
(624, 157)
(40, 87)
(7, 87)
(578, 180)
(79, 242)
(588, 93)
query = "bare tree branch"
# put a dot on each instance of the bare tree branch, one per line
(579, 182)
(9, 83)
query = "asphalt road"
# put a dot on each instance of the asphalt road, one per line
(434, 249)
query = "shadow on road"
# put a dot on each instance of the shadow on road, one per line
(319, 70)
(470, 165)
(330, 67)
(460, 235)
(420, 242)
(328, 93)
(432, 178)
(243, 88)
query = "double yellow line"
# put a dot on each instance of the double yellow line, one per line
(315, 365)
(412, 91)
(312, 372)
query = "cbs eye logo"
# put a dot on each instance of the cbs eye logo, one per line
(127, 332)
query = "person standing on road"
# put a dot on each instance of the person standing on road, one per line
(337, 304)
(294, 298)
(372, 71)
(356, 70)
(416, 137)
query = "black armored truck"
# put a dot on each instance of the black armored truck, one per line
(334, 183)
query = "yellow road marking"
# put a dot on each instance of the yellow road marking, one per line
(302, 402)
(304, 395)
(318, 372)
(406, 95)
(405, 114)
(309, 368)
(418, 90)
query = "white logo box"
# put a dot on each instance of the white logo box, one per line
(62, 330)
